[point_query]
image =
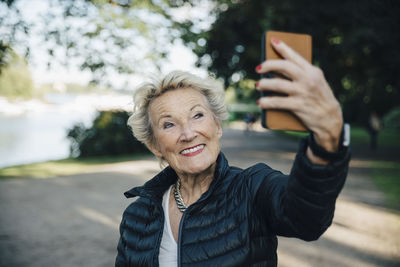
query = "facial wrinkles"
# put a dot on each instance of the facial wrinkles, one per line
(196, 152)
(176, 110)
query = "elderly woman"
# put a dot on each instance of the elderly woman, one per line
(201, 211)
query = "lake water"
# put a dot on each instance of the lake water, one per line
(33, 131)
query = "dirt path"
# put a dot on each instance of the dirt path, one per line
(73, 220)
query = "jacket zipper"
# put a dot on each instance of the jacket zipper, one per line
(180, 231)
(180, 238)
(181, 228)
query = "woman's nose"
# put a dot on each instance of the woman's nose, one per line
(187, 134)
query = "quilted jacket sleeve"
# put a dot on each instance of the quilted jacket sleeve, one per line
(120, 261)
(301, 204)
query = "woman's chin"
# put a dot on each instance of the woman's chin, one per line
(195, 165)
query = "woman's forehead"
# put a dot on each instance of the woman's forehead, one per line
(178, 100)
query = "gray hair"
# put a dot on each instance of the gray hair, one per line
(140, 122)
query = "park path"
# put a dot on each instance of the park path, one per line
(73, 220)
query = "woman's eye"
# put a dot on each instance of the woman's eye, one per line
(167, 125)
(198, 115)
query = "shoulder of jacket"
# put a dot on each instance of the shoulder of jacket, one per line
(141, 206)
(259, 168)
(255, 175)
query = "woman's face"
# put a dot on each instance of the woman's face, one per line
(186, 133)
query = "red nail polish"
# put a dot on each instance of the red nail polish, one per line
(258, 67)
(275, 41)
(256, 84)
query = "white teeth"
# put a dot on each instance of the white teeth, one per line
(191, 150)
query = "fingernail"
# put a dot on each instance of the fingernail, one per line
(258, 102)
(256, 84)
(258, 67)
(275, 41)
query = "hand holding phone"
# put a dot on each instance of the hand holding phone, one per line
(301, 43)
(303, 92)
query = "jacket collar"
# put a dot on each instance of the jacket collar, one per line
(156, 187)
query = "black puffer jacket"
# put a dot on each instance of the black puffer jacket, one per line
(235, 223)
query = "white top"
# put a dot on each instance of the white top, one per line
(168, 256)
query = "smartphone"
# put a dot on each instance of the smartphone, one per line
(302, 43)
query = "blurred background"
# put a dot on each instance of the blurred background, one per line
(68, 70)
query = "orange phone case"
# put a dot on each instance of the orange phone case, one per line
(302, 44)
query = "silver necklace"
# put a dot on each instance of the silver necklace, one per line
(177, 195)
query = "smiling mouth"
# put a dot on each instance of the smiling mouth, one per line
(193, 150)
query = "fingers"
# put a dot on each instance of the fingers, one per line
(308, 95)
(277, 102)
(288, 53)
(276, 85)
(285, 67)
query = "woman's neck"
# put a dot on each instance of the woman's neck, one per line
(193, 186)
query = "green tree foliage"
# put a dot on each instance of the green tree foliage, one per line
(109, 135)
(11, 24)
(354, 42)
(15, 79)
(392, 119)
(103, 36)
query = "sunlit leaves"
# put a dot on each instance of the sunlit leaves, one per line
(102, 36)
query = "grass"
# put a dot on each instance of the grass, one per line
(68, 166)
(386, 176)
(359, 136)
(386, 137)
(292, 134)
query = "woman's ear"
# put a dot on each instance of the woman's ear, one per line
(219, 129)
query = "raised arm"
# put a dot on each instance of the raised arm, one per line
(302, 204)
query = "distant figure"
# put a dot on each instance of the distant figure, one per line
(250, 119)
(374, 126)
